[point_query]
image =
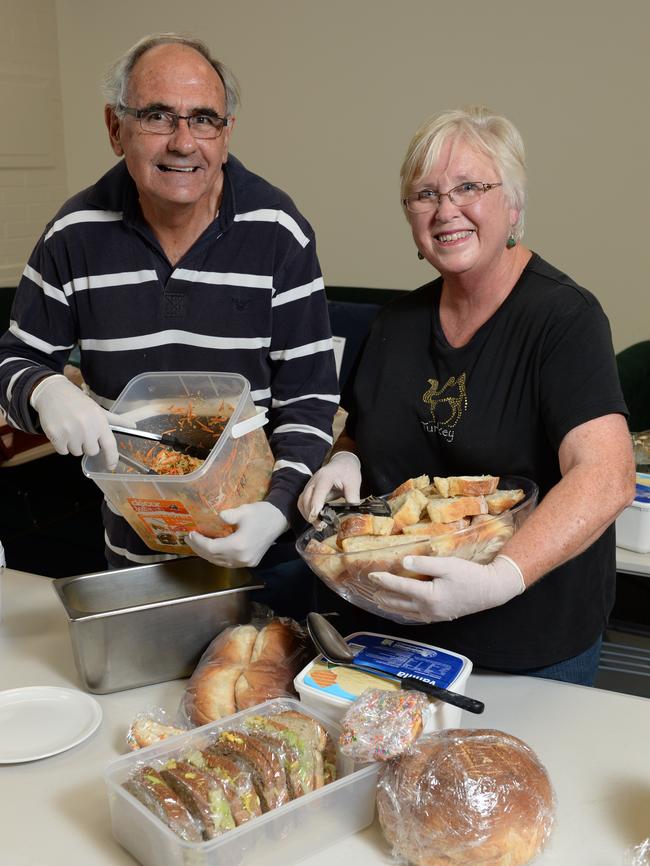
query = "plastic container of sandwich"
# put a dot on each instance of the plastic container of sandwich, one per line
(330, 689)
(163, 509)
(633, 524)
(282, 836)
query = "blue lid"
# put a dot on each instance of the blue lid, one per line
(405, 658)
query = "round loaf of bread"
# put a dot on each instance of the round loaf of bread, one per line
(463, 797)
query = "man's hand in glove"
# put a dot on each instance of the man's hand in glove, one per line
(73, 422)
(458, 587)
(258, 525)
(342, 475)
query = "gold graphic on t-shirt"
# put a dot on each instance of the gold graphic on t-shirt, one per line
(448, 403)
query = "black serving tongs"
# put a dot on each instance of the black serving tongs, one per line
(330, 512)
(192, 450)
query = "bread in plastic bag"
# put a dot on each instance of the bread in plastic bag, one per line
(382, 724)
(244, 666)
(460, 797)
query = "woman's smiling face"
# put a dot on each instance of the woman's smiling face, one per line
(469, 239)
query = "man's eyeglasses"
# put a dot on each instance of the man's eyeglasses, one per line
(159, 122)
(462, 195)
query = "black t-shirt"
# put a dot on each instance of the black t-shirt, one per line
(500, 405)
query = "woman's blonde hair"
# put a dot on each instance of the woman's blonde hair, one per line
(489, 133)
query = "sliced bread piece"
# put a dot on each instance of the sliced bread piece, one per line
(408, 510)
(466, 485)
(426, 527)
(502, 500)
(365, 524)
(410, 484)
(442, 510)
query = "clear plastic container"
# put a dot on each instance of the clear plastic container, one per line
(330, 689)
(163, 509)
(279, 837)
(633, 523)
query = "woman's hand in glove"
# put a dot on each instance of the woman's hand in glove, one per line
(342, 475)
(258, 525)
(458, 587)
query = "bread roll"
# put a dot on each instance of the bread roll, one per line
(244, 667)
(464, 797)
(234, 645)
(274, 662)
(210, 693)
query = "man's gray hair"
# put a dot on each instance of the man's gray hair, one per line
(116, 80)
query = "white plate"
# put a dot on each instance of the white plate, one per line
(39, 721)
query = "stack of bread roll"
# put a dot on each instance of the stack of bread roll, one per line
(466, 516)
(243, 667)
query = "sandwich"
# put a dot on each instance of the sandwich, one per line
(203, 794)
(150, 788)
(262, 762)
(234, 777)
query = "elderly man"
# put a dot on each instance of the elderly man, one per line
(178, 258)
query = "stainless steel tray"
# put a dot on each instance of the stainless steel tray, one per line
(137, 626)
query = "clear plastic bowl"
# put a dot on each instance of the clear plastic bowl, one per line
(346, 573)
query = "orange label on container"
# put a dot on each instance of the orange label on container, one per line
(157, 506)
(166, 520)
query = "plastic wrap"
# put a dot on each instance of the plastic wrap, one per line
(236, 773)
(345, 571)
(244, 666)
(466, 796)
(639, 855)
(381, 724)
(150, 726)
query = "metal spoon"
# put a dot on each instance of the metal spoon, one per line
(331, 645)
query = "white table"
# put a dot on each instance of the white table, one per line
(595, 745)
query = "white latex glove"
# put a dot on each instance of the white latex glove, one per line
(341, 475)
(73, 422)
(458, 588)
(258, 525)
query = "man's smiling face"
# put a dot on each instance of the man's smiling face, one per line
(173, 172)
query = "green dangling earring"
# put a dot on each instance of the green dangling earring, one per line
(511, 242)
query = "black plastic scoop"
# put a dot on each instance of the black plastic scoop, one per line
(191, 449)
(331, 645)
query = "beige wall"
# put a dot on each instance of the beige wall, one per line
(32, 159)
(333, 91)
